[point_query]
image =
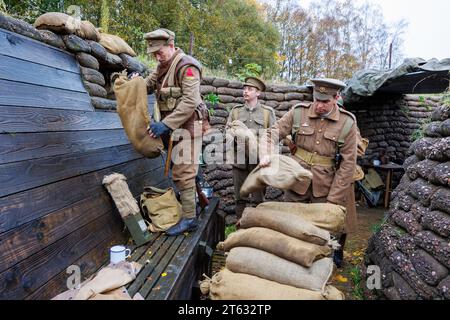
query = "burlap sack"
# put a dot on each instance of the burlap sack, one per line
(279, 244)
(227, 285)
(117, 186)
(323, 215)
(115, 44)
(244, 135)
(132, 107)
(282, 173)
(161, 207)
(57, 22)
(107, 284)
(270, 267)
(87, 31)
(285, 222)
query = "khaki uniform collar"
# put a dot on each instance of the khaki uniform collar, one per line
(334, 116)
(247, 107)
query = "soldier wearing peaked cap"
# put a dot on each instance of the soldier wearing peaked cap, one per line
(176, 83)
(255, 116)
(325, 137)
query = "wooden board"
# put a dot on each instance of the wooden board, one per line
(33, 272)
(16, 120)
(24, 175)
(28, 72)
(27, 146)
(20, 47)
(24, 207)
(28, 239)
(29, 95)
(89, 264)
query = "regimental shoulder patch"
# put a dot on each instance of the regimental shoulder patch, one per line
(190, 75)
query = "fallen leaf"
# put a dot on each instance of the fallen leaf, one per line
(341, 278)
(164, 274)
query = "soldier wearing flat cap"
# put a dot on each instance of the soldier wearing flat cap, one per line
(176, 83)
(326, 139)
(255, 116)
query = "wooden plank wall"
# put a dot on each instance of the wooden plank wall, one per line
(54, 152)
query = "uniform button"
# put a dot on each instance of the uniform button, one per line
(320, 130)
(318, 142)
(322, 120)
(315, 152)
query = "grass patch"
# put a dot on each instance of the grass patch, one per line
(358, 291)
(229, 230)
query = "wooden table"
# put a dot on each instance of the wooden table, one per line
(390, 168)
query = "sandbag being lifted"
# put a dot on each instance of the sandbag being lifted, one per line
(227, 285)
(281, 245)
(132, 107)
(323, 215)
(282, 173)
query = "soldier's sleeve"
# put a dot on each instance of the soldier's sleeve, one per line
(272, 136)
(344, 175)
(150, 81)
(191, 98)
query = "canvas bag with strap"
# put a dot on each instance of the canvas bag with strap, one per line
(161, 208)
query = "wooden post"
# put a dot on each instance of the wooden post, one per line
(191, 43)
(390, 55)
(388, 188)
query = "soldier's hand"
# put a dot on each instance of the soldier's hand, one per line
(133, 75)
(265, 161)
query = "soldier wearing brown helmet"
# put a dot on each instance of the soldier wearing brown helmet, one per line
(325, 137)
(176, 83)
(255, 116)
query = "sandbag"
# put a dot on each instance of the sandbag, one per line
(161, 207)
(279, 244)
(282, 173)
(115, 44)
(87, 31)
(123, 198)
(58, 22)
(323, 215)
(244, 135)
(270, 267)
(107, 284)
(285, 222)
(227, 285)
(132, 107)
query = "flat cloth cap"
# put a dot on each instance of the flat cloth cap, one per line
(326, 89)
(158, 38)
(255, 83)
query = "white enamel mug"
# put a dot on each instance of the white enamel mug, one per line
(118, 254)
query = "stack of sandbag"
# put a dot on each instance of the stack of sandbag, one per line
(278, 255)
(98, 53)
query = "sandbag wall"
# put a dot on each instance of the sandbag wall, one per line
(413, 247)
(97, 61)
(390, 122)
(230, 93)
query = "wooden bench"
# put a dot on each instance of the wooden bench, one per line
(55, 149)
(172, 265)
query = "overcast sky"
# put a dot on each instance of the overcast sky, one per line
(428, 33)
